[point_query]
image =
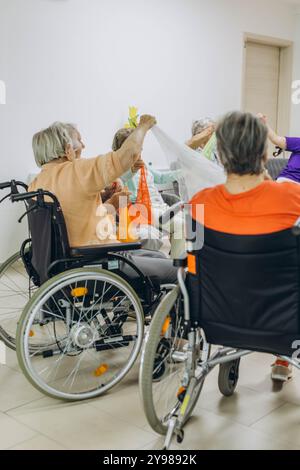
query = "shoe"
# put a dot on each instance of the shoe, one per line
(282, 371)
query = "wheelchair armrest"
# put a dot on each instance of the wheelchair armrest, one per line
(170, 198)
(94, 251)
(170, 213)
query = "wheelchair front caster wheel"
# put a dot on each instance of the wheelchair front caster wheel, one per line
(228, 377)
(180, 436)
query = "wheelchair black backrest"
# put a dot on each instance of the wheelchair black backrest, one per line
(247, 290)
(48, 233)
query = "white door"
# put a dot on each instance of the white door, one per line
(262, 78)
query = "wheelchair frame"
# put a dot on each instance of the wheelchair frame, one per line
(223, 355)
(73, 260)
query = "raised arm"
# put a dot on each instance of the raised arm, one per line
(131, 150)
(97, 173)
(273, 136)
(200, 140)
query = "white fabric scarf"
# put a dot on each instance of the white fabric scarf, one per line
(197, 172)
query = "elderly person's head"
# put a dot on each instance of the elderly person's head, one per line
(242, 144)
(202, 124)
(77, 142)
(202, 130)
(119, 138)
(60, 140)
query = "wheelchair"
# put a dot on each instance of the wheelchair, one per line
(240, 292)
(82, 329)
(16, 284)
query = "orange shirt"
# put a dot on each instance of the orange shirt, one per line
(270, 207)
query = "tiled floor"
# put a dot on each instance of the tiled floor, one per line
(256, 417)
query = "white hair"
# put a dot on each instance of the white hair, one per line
(201, 125)
(50, 144)
(73, 133)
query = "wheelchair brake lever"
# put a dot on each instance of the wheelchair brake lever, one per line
(27, 212)
(5, 197)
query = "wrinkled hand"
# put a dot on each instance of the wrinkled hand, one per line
(139, 164)
(204, 136)
(115, 199)
(110, 190)
(147, 121)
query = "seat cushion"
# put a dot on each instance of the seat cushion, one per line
(96, 251)
(153, 265)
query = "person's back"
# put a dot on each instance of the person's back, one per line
(71, 183)
(76, 181)
(266, 208)
(247, 204)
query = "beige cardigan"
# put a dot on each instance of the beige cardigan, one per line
(77, 185)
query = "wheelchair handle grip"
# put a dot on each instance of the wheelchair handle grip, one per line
(13, 185)
(5, 185)
(34, 194)
(23, 197)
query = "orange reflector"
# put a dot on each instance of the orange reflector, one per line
(101, 370)
(31, 333)
(166, 325)
(192, 264)
(180, 391)
(79, 292)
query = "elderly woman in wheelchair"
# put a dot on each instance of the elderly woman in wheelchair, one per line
(238, 287)
(83, 327)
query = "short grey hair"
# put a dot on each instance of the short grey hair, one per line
(50, 144)
(242, 143)
(119, 138)
(202, 124)
(73, 133)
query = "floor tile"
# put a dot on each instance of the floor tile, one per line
(12, 432)
(15, 390)
(80, 426)
(38, 443)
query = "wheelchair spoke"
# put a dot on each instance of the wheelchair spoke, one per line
(92, 340)
(15, 291)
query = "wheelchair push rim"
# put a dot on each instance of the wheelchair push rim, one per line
(16, 289)
(163, 373)
(96, 320)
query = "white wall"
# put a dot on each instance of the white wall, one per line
(295, 121)
(85, 61)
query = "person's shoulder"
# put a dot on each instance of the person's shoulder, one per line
(285, 187)
(286, 193)
(205, 194)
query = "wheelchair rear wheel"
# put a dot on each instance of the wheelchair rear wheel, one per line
(164, 379)
(96, 321)
(16, 289)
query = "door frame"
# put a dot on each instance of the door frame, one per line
(285, 76)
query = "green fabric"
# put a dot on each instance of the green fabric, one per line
(209, 150)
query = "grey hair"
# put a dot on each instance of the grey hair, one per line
(119, 138)
(73, 133)
(50, 144)
(242, 143)
(201, 125)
